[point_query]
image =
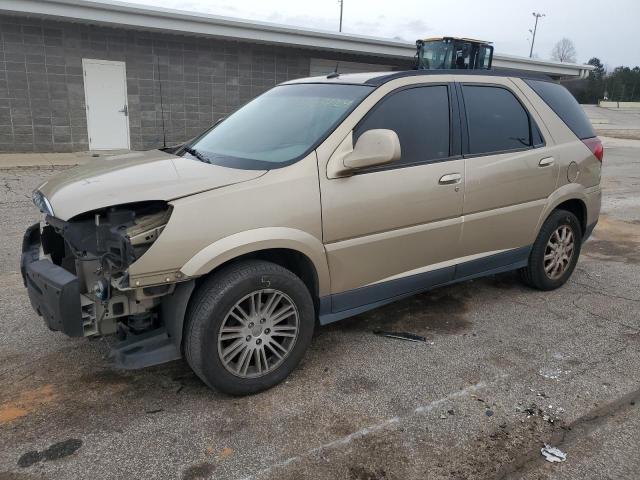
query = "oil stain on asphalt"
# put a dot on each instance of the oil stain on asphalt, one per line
(53, 452)
(198, 471)
(439, 311)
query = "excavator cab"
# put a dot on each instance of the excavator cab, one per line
(453, 53)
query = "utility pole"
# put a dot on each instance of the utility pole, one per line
(535, 27)
(341, 2)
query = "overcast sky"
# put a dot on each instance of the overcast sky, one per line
(605, 29)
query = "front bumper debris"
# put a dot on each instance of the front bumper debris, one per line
(59, 289)
(55, 294)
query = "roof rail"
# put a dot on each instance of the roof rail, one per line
(376, 81)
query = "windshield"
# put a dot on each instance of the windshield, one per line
(436, 55)
(280, 126)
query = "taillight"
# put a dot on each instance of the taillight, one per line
(595, 145)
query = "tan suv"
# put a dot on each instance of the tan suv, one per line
(320, 199)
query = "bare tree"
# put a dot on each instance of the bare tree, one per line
(564, 51)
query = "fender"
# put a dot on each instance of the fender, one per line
(570, 191)
(257, 239)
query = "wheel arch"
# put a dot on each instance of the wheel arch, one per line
(571, 198)
(299, 252)
(578, 208)
(293, 260)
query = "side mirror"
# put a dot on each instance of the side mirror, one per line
(374, 147)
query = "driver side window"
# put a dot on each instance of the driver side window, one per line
(420, 117)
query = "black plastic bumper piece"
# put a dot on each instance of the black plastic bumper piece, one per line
(139, 351)
(30, 249)
(55, 295)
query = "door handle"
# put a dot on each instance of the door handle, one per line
(450, 179)
(545, 162)
(124, 110)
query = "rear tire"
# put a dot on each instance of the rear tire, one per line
(555, 252)
(248, 327)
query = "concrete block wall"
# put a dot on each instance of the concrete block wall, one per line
(42, 103)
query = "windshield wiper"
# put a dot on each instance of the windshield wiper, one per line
(197, 154)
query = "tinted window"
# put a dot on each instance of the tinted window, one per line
(496, 120)
(565, 106)
(420, 117)
(279, 126)
(538, 141)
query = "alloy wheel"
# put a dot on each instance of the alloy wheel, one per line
(258, 333)
(559, 252)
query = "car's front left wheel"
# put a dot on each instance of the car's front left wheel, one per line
(248, 327)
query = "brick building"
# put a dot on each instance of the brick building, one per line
(79, 75)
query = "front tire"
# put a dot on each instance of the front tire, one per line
(248, 327)
(555, 252)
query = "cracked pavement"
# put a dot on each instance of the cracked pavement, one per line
(505, 370)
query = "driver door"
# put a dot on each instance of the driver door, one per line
(395, 229)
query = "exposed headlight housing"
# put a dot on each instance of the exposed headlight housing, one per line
(41, 202)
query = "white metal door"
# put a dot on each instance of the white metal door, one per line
(105, 92)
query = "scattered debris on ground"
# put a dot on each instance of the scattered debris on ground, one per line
(549, 414)
(410, 337)
(552, 373)
(553, 454)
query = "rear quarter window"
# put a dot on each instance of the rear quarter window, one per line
(564, 105)
(496, 120)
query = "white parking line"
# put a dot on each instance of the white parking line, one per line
(369, 430)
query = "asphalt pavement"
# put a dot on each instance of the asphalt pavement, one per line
(505, 370)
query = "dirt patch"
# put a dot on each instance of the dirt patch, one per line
(225, 453)
(615, 240)
(18, 476)
(341, 426)
(382, 456)
(609, 228)
(48, 387)
(357, 384)
(25, 402)
(627, 252)
(9, 413)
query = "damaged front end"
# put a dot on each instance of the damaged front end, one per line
(76, 271)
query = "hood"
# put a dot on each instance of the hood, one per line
(135, 177)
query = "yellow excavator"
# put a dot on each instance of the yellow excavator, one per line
(453, 53)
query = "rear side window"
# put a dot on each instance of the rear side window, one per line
(420, 117)
(565, 106)
(496, 120)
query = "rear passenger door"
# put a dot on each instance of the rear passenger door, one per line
(509, 172)
(385, 226)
